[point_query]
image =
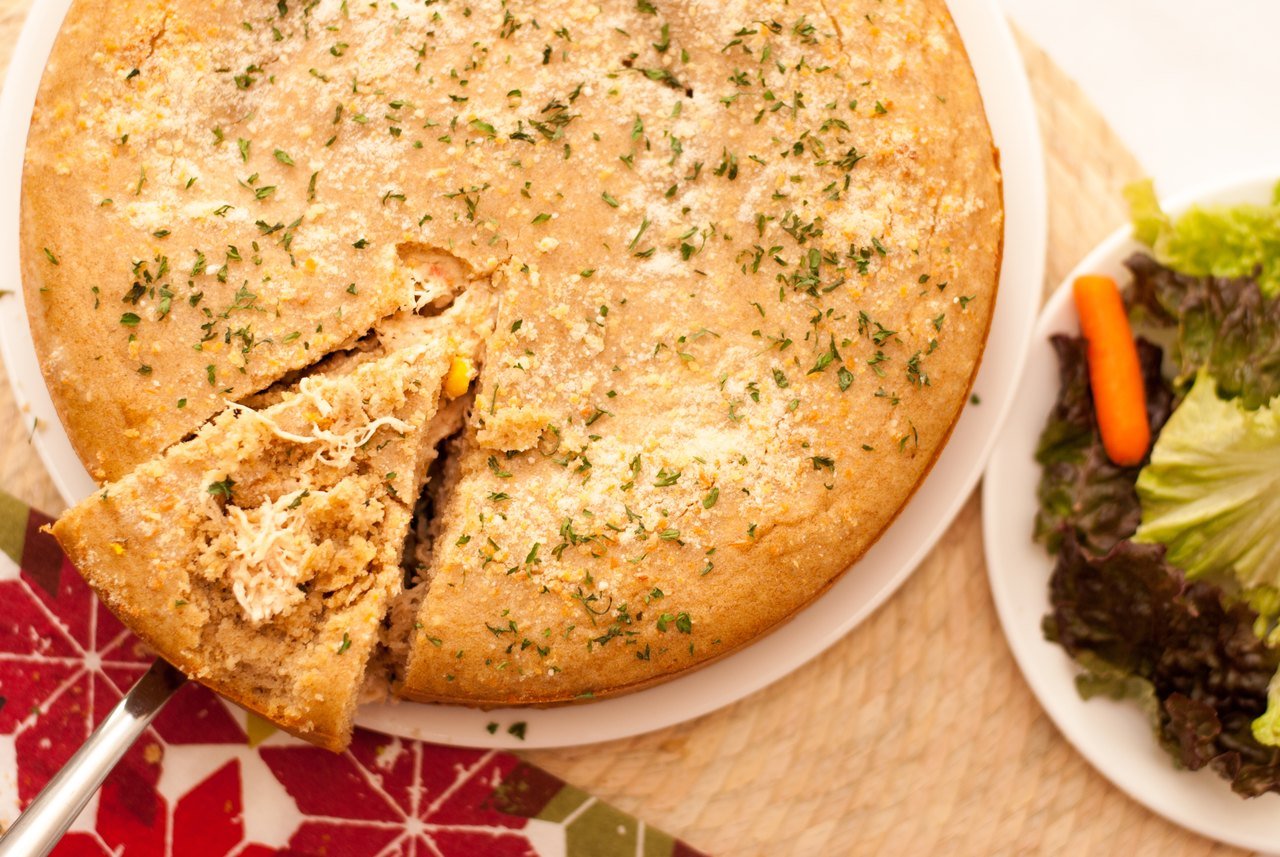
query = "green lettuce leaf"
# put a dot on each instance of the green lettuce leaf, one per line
(1148, 218)
(1266, 729)
(1080, 489)
(1211, 492)
(1219, 241)
(1265, 601)
(1181, 648)
(1211, 495)
(1226, 325)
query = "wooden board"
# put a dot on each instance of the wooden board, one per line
(916, 733)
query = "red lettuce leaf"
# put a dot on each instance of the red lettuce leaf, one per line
(1080, 489)
(1225, 324)
(1194, 646)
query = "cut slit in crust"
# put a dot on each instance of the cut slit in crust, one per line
(461, 313)
(387, 663)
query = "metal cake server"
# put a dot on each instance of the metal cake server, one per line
(43, 822)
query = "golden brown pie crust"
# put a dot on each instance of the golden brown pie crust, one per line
(741, 261)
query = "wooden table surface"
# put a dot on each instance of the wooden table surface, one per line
(915, 734)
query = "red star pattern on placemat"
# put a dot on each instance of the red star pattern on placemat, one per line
(385, 794)
(65, 661)
(201, 783)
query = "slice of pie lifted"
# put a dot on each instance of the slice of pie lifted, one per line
(260, 556)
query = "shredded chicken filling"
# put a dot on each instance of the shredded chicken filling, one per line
(337, 450)
(269, 561)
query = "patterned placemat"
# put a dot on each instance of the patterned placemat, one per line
(208, 778)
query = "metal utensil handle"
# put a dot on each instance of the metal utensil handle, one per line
(43, 822)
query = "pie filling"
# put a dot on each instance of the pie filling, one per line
(270, 556)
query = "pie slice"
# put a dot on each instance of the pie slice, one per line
(260, 556)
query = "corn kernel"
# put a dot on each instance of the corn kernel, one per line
(459, 378)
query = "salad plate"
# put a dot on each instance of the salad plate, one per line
(1115, 736)
(1011, 114)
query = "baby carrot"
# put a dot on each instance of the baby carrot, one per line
(1119, 399)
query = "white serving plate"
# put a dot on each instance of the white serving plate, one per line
(1114, 736)
(1011, 113)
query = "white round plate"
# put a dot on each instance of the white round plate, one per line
(1011, 113)
(1114, 736)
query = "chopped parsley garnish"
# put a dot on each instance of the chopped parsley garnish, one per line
(845, 378)
(666, 478)
(222, 488)
(644, 225)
